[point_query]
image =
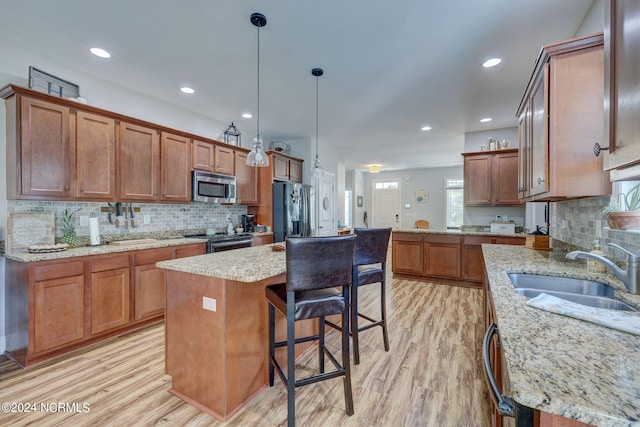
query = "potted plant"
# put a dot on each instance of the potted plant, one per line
(68, 229)
(624, 213)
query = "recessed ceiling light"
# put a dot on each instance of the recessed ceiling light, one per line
(426, 128)
(485, 120)
(100, 52)
(491, 62)
(187, 90)
(247, 115)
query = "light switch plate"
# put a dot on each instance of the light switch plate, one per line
(84, 220)
(147, 219)
(209, 303)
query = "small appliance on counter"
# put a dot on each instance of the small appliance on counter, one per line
(503, 227)
(248, 223)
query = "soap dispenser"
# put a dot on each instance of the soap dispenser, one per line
(592, 265)
(230, 229)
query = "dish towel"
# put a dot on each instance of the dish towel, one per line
(615, 319)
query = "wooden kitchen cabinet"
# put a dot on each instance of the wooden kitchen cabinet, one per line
(622, 107)
(407, 252)
(262, 239)
(442, 255)
(95, 137)
(560, 119)
(225, 160)
(246, 180)
(139, 163)
(472, 260)
(149, 282)
(40, 152)
(203, 155)
(491, 179)
(110, 292)
(175, 168)
(285, 167)
(58, 305)
(295, 170)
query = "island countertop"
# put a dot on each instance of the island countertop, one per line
(558, 364)
(248, 265)
(456, 232)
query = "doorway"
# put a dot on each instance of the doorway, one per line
(386, 204)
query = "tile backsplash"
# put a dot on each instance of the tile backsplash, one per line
(577, 223)
(162, 217)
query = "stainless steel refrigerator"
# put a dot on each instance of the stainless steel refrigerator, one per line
(293, 213)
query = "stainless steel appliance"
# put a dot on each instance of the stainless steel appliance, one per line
(213, 188)
(248, 223)
(292, 210)
(225, 242)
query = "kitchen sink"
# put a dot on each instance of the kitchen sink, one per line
(580, 291)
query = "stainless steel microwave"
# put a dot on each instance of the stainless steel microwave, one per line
(213, 188)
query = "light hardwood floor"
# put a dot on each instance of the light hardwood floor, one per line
(430, 377)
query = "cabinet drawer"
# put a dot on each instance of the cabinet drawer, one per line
(407, 237)
(150, 256)
(60, 269)
(477, 240)
(442, 238)
(510, 240)
(191, 250)
(110, 263)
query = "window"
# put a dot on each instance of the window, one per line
(387, 185)
(454, 202)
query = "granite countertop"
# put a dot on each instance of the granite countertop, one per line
(101, 249)
(457, 232)
(558, 364)
(242, 265)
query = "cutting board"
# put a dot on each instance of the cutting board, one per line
(132, 242)
(26, 229)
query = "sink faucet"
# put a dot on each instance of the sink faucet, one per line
(630, 277)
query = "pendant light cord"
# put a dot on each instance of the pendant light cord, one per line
(317, 121)
(258, 109)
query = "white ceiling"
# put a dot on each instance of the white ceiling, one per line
(391, 67)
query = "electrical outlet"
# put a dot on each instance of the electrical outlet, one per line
(209, 303)
(147, 219)
(84, 220)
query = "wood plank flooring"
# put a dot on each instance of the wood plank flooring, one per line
(430, 377)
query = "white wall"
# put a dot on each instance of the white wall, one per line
(3, 220)
(594, 21)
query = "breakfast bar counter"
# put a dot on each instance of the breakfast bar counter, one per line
(557, 364)
(216, 326)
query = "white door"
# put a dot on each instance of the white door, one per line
(386, 204)
(326, 205)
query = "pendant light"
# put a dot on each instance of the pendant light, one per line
(257, 157)
(317, 72)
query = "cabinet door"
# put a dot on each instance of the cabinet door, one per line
(262, 240)
(280, 167)
(191, 250)
(524, 150)
(472, 259)
(295, 171)
(539, 150)
(58, 312)
(224, 160)
(109, 299)
(203, 155)
(477, 180)
(504, 172)
(139, 163)
(442, 259)
(46, 152)
(175, 168)
(246, 180)
(96, 156)
(149, 291)
(622, 106)
(408, 256)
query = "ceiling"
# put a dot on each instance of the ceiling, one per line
(391, 67)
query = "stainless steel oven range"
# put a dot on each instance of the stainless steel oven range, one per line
(225, 242)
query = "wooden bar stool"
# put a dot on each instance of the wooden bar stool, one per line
(369, 266)
(319, 274)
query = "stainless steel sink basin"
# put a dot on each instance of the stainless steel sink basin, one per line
(560, 284)
(586, 292)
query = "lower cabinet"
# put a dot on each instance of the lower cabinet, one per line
(262, 239)
(53, 307)
(446, 257)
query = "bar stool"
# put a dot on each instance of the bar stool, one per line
(319, 274)
(369, 266)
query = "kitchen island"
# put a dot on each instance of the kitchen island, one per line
(216, 326)
(556, 364)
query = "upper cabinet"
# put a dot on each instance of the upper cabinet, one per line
(175, 168)
(286, 168)
(622, 105)
(203, 155)
(224, 160)
(560, 120)
(139, 163)
(491, 178)
(246, 180)
(40, 151)
(96, 156)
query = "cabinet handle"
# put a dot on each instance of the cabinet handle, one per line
(82, 190)
(520, 190)
(66, 188)
(540, 180)
(597, 149)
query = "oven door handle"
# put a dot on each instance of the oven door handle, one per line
(505, 404)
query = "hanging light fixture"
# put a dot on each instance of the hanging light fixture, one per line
(232, 135)
(257, 156)
(317, 72)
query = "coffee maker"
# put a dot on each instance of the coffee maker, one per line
(247, 223)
